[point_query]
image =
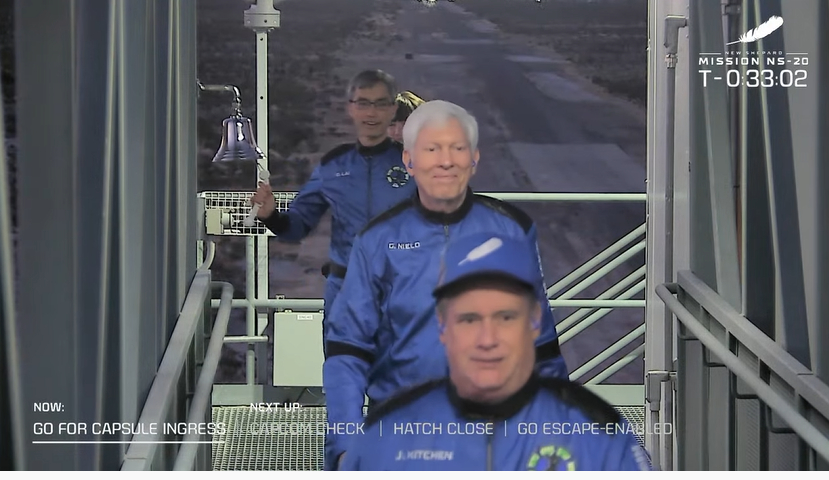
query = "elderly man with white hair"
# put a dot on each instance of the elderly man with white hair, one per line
(383, 326)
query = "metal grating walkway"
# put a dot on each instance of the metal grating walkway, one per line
(291, 441)
(635, 416)
(275, 440)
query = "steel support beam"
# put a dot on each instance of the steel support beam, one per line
(717, 158)
(791, 327)
(12, 454)
(808, 127)
(47, 202)
(713, 187)
(819, 326)
(757, 256)
(746, 443)
(111, 168)
(658, 324)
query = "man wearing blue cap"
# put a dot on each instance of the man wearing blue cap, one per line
(383, 332)
(493, 412)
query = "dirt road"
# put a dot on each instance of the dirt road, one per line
(543, 129)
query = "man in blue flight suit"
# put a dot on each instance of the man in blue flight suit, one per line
(382, 329)
(493, 412)
(356, 180)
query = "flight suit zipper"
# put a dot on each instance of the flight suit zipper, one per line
(368, 192)
(489, 450)
(446, 233)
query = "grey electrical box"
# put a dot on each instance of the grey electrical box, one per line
(297, 349)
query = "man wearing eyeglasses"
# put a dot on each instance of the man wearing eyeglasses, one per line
(356, 180)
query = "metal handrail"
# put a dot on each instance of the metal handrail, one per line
(617, 291)
(605, 354)
(801, 426)
(618, 365)
(600, 273)
(316, 304)
(524, 196)
(209, 255)
(249, 339)
(620, 249)
(596, 260)
(582, 325)
(566, 197)
(142, 447)
(791, 371)
(204, 387)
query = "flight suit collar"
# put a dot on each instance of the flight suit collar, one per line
(375, 149)
(495, 411)
(443, 218)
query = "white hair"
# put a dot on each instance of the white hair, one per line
(437, 113)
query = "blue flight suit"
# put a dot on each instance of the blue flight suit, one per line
(357, 183)
(549, 424)
(383, 329)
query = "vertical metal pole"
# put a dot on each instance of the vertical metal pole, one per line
(13, 458)
(261, 18)
(656, 351)
(682, 418)
(262, 96)
(660, 399)
(165, 147)
(731, 13)
(672, 25)
(185, 114)
(250, 317)
(104, 307)
(261, 249)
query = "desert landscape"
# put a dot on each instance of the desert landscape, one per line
(598, 45)
(558, 88)
(605, 40)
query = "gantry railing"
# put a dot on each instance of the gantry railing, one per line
(224, 213)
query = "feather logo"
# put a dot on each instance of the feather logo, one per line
(482, 250)
(760, 31)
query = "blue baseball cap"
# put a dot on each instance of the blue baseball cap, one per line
(488, 255)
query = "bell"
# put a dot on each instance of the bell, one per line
(238, 143)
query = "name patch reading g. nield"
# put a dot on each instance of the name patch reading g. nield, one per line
(404, 246)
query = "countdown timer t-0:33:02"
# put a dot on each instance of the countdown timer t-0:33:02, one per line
(759, 73)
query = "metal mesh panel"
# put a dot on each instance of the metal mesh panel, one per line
(636, 417)
(292, 441)
(783, 447)
(273, 440)
(237, 205)
(748, 433)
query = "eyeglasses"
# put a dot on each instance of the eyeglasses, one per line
(363, 104)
